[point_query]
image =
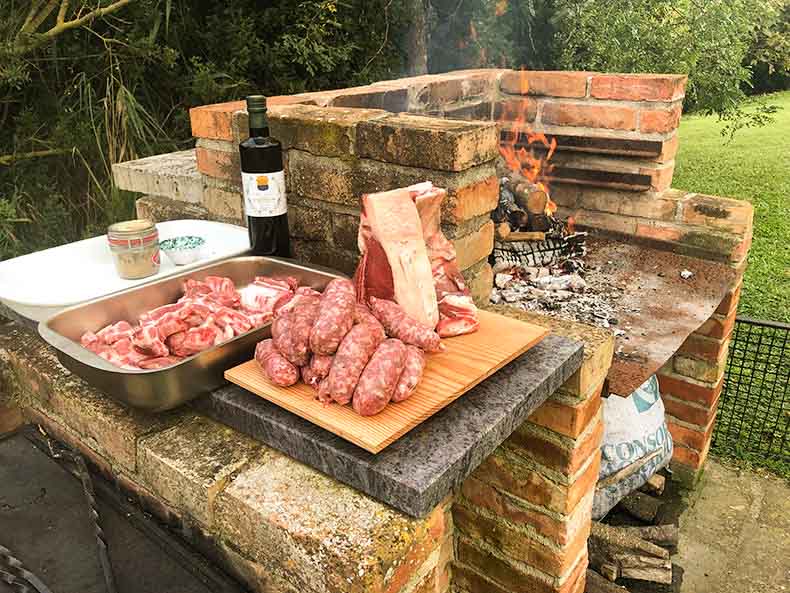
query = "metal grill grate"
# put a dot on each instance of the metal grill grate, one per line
(754, 410)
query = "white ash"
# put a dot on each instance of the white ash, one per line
(592, 299)
(686, 274)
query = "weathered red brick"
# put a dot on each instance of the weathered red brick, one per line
(431, 143)
(689, 413)
(487, 497)
(550, 83)
(669, 148)
(724, 213)
(565, 419)
(548, 452)
(730, 301)
(517, 544)
(705, 348)
(478, 111)
(389, 98)
(638, 87)
(523, 110)
(660, 178)
(444, 89)
(214, 121)
(590, 116)
(689, 457)
(660, 121)
(717, 326)
(220, 164)
(472, 200)
(687, 437)
(689, 391)
(534, 487)
(475, 246)
(606, 222)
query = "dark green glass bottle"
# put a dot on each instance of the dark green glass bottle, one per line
(263, 183)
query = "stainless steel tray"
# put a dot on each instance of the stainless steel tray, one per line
(163, 389)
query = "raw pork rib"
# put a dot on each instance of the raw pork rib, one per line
(210, 312)
(394, 263)
(392, 242)
(457, 311)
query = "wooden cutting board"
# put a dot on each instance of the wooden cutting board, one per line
(467, 361)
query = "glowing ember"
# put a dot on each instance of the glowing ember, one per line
(500, 8)
(521, 159)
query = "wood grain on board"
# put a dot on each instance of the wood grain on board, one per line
(467, 361)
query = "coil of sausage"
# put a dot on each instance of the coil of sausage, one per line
(291, 330)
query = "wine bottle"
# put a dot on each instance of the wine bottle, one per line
(263, 183)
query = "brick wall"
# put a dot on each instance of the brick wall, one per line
(691, 383)
(523, 517)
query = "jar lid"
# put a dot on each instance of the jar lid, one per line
(131, 227)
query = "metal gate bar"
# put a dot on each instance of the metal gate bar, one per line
(754, 409)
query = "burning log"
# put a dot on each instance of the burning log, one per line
(503, 231)
(615, 552)
(524, 236)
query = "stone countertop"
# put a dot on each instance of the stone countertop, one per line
(417, 471)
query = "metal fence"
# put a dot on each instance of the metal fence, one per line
(754, 409)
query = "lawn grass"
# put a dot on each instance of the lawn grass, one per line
(754, 166)
(753, 425)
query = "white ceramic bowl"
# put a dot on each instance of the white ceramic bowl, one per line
(183, 250)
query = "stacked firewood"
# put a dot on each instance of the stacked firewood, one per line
(636, 554)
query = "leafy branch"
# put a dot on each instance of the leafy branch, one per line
(29, 38)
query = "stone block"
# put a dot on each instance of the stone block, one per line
(189, 464)
(307, 222)
(549, 83)
(467, 202)
(345, 228)
(326, 537)
(588, 115)
(432, 143)
(481, 111)
(224, 202)
(701, 370)
(475, 246)
(173, 175)
(453, 87)
(638, 87)
(325, 131)
(160, 209)
(325, 254)
(479, 280)
(393, 98)
(660, 121)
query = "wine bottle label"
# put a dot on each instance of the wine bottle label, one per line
(264, 194)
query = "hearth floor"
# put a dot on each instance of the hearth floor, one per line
(638, 293)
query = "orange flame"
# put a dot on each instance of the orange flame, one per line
(500, 8)
(520, 159)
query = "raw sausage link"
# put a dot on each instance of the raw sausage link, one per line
(275, 365)
(378, 380)
(411, 375)
(401, 326)
(363, 315)
(291, 330)
(353, 354)
(335, 318)
(316, 370)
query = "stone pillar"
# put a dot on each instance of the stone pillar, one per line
(523, 517)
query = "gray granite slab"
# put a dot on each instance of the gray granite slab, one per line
(418, 470)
